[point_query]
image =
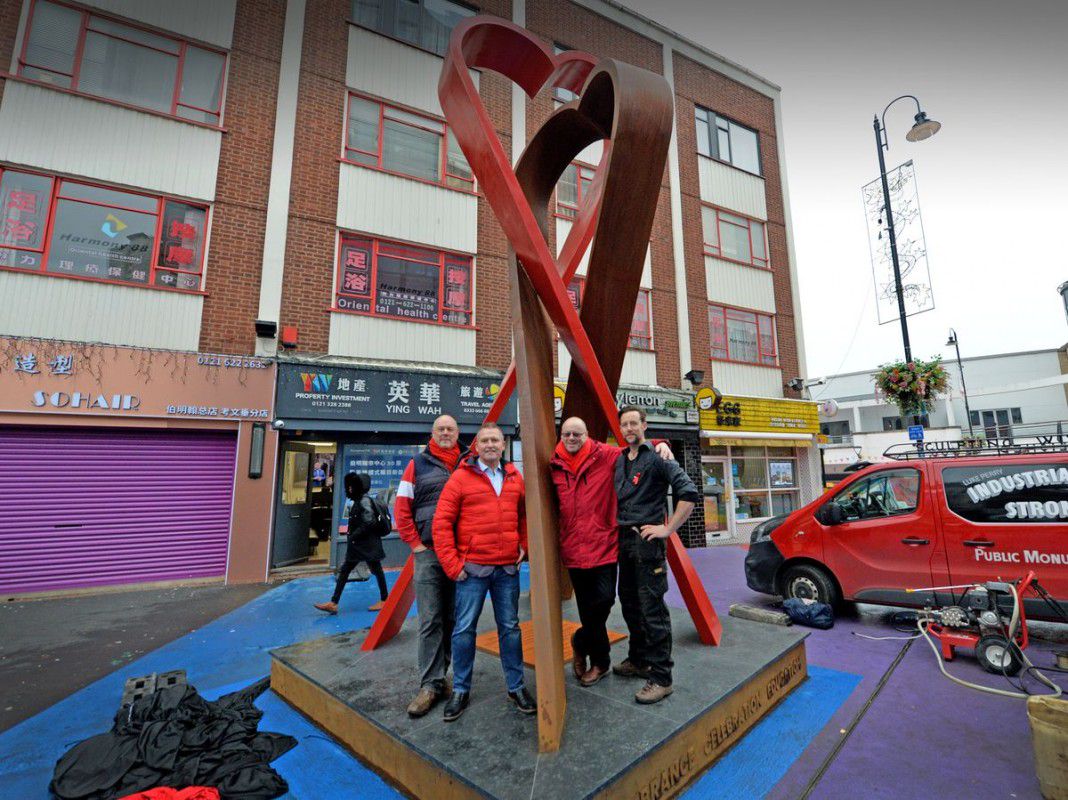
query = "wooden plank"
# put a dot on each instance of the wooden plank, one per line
(487, 642)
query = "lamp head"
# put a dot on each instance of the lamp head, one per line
(923, 128)
(952, 340)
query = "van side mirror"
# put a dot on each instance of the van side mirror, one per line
(832, 514)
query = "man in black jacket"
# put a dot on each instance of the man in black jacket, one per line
(363, 542)
(642, 483)
(417, 499)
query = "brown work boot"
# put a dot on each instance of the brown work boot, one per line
(423, 702)
(329, 608)
(579, 664)
(652, 692)
(376, 606)
(628, 669)
(593, 674)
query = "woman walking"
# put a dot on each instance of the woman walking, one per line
(363, 542)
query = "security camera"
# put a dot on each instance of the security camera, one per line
(279, 424)
(797, 384)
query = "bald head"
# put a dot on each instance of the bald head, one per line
(445, 433)
(573, 434)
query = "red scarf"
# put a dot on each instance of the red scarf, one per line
(575, 462)
(447, 457)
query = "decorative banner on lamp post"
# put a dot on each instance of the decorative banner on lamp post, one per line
(911, 245)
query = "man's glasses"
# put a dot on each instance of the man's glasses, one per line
(571, 435)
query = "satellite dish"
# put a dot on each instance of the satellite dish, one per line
(828, 408)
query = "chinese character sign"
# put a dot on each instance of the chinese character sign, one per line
(24, 201)
(354, 291)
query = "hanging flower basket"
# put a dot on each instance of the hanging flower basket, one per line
(912, 385)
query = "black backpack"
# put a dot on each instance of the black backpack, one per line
(383, 524)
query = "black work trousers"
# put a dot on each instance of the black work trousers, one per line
(642, 586)
(595, 594)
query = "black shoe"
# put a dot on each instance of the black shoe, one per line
(523, 701)
(457, 705)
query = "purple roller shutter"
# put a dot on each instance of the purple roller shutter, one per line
(81, 507)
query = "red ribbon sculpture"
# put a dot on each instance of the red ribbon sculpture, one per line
(631, 109)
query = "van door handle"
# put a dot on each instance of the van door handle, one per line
(978, 543)
(911, 540)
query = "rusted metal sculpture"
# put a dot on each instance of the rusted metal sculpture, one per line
(631, 109)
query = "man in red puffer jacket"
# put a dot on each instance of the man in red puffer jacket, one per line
(583, 473)
(480, 537)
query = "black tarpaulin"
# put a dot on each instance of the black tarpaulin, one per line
(174, 737)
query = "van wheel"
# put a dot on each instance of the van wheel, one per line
(810, 583)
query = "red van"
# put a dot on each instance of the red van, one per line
(932, 516)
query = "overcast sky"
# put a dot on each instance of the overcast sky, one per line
(992, 183)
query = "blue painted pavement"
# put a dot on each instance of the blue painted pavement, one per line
(232, 651)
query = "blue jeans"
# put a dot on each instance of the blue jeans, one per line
(470, 597)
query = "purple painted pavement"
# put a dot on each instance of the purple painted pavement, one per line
(923, 736)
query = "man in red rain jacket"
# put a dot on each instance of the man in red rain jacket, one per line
(480, 537)
(583, 473)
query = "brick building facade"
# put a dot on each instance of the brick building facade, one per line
(330, 220)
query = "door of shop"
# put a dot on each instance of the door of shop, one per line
(93, 507)
(716, 491)
(292, 520)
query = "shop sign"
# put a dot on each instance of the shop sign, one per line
(78, 378)
(662, 407)
(345, 393)
(756, 414)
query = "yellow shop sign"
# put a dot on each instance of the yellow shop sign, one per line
(735, 413)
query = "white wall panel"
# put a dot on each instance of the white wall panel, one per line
(737, 285)
(563, 228)
(747, 379)
(394, 71)
(397, 208)
(732, 188)
(83, 311)
(592, 154)
(210, 21)
(639, 366)
(377, 337)
(58, 132)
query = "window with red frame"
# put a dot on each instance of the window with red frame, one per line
(382, 136)
(745, 336)
(573, 189)
(63, 227)
(387, 279)
(734, 237)
(641, 325)
(100, 56)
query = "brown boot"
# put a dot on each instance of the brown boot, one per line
(628, 669)
(593, 674)
(423, 702)
(652, 692)
(376, 606)
(329, 608)
(579, 663)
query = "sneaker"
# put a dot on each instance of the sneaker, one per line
(628, 669)
(423, 702)
(523, 701)
(329, 608)
(652, 692)
(457, 705)
(376, 606)
(578, 663)
(593, 675)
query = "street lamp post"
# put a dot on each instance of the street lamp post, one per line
(952, 340)
(922, 128)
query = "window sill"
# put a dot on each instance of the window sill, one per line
(736, 261)
(713, 359)
(728, 164)
(336, 310)
(435, 184)
(193, 292)
(4, 75)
